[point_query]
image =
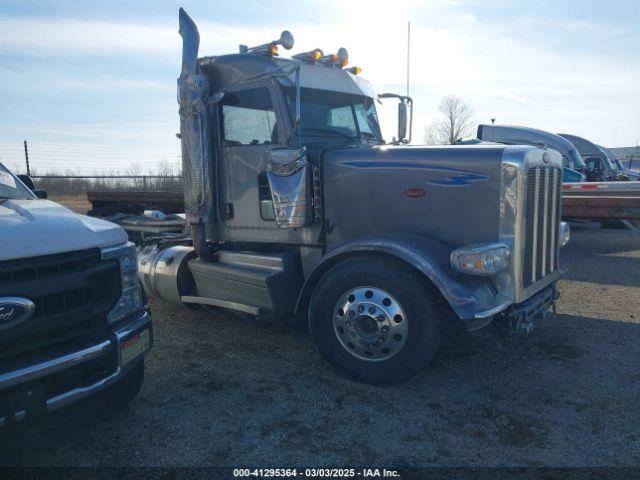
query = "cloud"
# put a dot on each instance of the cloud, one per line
(70, 36)
(566, 74)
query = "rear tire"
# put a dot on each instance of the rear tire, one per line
(374, 320)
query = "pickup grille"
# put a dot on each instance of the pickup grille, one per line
(544, 189)
(72, 292)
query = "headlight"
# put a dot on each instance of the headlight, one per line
(565, 233)
(130, 301)
(486, 259)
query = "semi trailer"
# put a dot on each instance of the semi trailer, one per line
(299, 211)
(73, 319)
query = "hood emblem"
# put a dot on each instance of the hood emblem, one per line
(415, 192)
(15, 310)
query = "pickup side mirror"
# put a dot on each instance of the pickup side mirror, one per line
(405, 116)
(31, 185)
(28, 181)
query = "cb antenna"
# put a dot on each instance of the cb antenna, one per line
(408, 54)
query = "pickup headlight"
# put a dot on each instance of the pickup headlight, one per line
(130, 301)
(565, 233)
(485, 259)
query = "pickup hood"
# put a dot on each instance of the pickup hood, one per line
(31, 228)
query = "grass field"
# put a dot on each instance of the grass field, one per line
(77, 203)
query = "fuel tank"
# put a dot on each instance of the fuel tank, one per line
(449, 193)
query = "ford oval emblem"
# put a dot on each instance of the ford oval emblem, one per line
(14, 310)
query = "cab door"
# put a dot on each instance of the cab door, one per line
(250, 126)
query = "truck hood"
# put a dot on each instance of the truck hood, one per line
(32, 228)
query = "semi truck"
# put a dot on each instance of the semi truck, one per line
(299, 211)
(574, 167)
(74, 322)
(600, 167)
(633, 175)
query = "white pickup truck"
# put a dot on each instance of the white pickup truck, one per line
(74, 321)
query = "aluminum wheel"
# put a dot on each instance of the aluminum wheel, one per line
(370, 323)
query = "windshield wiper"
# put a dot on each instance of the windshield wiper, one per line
(328, 130)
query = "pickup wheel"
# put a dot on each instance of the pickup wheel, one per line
(374, 320)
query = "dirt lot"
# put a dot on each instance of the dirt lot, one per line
(223, 391)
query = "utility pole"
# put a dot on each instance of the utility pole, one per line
(408, 53)
(26, 157)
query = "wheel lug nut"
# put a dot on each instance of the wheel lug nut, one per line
(384, 329)
(381, 318)
(360, 308)
(352, 313)
(372, 310)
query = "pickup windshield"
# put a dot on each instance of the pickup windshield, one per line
(11, 187)
(336, 115)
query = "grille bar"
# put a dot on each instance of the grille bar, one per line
(554, 220)
(534, 238)
(541, 223)
(545, 217)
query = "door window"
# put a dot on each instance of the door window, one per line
(248, 118)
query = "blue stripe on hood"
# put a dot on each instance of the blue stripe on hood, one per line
(458, 177)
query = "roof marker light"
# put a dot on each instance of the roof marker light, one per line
(311, 56)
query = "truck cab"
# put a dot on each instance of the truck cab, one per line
(599, 167)
(617, 164)
(574, 168)
(73, 319)
(299, 211)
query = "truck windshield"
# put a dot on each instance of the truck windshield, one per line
(336, 114)
(576, 159)
(618, 163)
(11, 187)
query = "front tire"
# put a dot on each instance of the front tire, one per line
(374, 320)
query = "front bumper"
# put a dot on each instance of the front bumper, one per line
(520, 317)
(37, 386)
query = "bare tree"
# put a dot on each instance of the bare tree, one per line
(455, 122)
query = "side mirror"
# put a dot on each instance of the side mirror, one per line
(28, 181)
(402, 121)
(405, 116)
(40, 194)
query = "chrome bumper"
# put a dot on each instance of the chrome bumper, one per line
(42, 369)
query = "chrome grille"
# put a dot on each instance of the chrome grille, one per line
(542, 223)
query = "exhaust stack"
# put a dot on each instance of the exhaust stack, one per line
(193, 91)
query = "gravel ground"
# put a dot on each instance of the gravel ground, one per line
(221, 390)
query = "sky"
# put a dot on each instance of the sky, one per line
(91, 85)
